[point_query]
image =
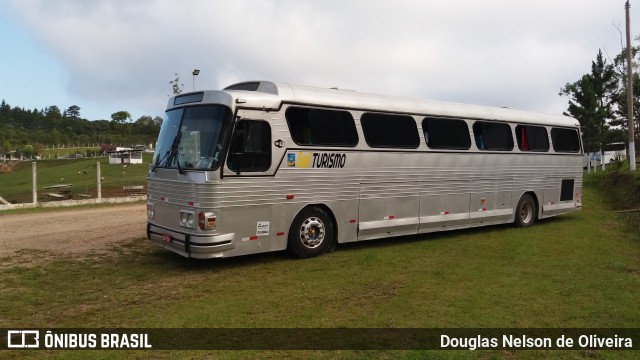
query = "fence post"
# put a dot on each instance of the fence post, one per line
(99, 181)
(34, 175)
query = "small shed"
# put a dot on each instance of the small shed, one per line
(12, 156)
(121, 156)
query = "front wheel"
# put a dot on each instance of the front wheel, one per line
(311, 233)
(525, 211)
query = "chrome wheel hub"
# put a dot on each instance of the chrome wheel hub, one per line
(526, 212)
(312, 232)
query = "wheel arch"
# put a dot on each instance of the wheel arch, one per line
(322, 206)
(533, 194)
(536, 202)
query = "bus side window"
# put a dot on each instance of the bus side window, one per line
(479, 140)
(565, 140)
(493, 136)
(250, 148)
(532, 138)
(311, 126)
(441, 133)
(301, 131)
(478, 136)
(390, 131)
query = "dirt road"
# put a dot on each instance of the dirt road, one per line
(72, 231)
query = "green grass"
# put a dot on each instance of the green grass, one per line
(578, 270)
(16, 185)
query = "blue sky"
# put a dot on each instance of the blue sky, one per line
(31, 77)
(112, 55)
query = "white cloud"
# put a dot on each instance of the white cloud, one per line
(495, 52)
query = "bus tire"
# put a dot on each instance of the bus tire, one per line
(525, 211)
(312, 233)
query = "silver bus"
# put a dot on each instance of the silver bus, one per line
(263, 166)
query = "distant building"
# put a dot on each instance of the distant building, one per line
(121, 156)
(12, 156)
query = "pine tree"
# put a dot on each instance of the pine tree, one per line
(591, 101)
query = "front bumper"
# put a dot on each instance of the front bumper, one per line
(187, 245)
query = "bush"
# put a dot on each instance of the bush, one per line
(622, 188)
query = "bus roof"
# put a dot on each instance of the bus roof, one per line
(271, 95)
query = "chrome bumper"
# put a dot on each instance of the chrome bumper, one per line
(192, 246)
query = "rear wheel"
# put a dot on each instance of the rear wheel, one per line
(311, 233)
(526, 211)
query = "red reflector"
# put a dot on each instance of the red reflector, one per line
(391, 217)
(281, 233)
(290, 196)
(161, 198)
(484, 209)
(352, 221)
(253, 237)
(190, 203)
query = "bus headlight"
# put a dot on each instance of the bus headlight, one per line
(187, 219)
(206, 221)
(151, 211)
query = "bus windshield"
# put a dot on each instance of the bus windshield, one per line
(192, 138)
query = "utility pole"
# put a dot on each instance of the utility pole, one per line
(630, 122)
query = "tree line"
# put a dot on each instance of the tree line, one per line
(598, 100)
(29, 131)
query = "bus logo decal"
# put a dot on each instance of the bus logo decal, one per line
(326, 160)
(320, 160)
(300, 160)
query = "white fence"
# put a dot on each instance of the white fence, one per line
(61, 196)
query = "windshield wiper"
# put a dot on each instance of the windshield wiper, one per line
(170, 154)
(159, 162)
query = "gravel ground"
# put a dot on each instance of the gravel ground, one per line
(73, 232)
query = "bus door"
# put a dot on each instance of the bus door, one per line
(247, 183)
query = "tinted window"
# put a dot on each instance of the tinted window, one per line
(321, 127)
(390, 131)
(532, 138)
(188, 98)
(250, 148)
(493, 136)
(247, 86)
(565, 140)
(446, 133)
